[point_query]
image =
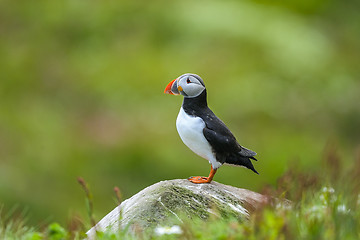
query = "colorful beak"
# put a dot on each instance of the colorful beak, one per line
(171, 88)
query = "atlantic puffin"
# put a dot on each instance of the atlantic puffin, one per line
(202, 131)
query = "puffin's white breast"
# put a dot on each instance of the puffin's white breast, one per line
(191, 133)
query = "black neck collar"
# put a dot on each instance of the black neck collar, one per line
(193, 106)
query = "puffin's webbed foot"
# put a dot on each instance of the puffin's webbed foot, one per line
(199, 179)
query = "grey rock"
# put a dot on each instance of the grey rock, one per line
(177, 200)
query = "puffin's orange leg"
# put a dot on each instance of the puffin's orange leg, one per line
(199, 179)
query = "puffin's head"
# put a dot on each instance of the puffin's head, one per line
(189, 85)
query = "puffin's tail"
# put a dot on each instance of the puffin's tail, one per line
(243, 159)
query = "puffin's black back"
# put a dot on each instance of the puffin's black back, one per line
(223, 143)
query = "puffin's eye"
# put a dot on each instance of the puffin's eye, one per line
(188, 81)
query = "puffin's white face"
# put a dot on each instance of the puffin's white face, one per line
(189, 85)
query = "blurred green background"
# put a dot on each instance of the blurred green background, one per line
(81, 91)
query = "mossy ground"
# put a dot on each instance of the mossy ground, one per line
(323, 214)
(325, 206)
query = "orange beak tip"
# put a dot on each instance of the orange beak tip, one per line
(168, 88)
(168, 92)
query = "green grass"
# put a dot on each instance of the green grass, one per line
(323, 206)
(325, 214)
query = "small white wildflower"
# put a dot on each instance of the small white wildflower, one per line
(317, 208)
(327, 195)
(324, 198)
(283, 206)
(168, 230)
(317, 211)
(328, 190)
(342, 209)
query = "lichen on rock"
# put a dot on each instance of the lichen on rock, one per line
(179, 200)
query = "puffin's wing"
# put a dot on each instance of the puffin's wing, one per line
(228, 150)
(247, 153)
(220, 141)
(221, 138)
(224, 141)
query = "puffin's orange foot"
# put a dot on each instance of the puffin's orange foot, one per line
(199, 179)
